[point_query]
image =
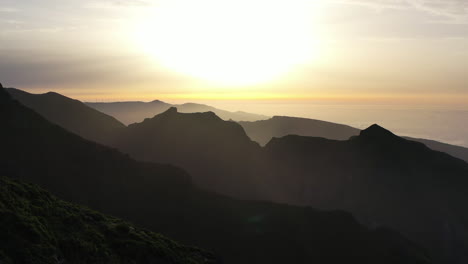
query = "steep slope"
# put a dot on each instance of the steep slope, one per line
(70, 114)
(36, 227)
(381, 178)
(217, 153)
(455, 151)
(133, 112)
(162, 198)
(264, 130)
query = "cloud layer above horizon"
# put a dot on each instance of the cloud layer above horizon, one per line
(367, 47)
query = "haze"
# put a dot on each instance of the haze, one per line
(234, 131)
(343, 53)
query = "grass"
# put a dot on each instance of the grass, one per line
(36, 227)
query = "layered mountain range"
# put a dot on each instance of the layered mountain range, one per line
(134, 112)
(383, 179)
(162, 198)
(262, 131)
(97, 121)
(279, 126)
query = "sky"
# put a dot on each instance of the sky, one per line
(334, 51)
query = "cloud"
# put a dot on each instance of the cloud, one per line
(444, 11)
(58, 69)
(12, 21)
(8, 10)
(119, 4)
(134, 2)
(455, 11)
(376, 4)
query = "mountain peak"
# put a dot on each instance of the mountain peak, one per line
(3, 93)
(377, 132)
(169, 113)
(171, 110)
(173, 113)
(53, 94)
(277, 117)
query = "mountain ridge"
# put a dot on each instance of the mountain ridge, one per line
(71, 114)
(340, 132)
(162, 198)
(382, 179)
(311, 171)
(278, 126)
(134, 112)
(326, 174)
(196, 142)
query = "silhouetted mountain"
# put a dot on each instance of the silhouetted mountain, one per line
(133, 112)
(305, 170)
(264, 130)
(162, 198)
(223, 114)
(70, 114)
(279, 126)
(36, 227)
(382, 179)
(217, 153)
(96, 126)
(456, 151)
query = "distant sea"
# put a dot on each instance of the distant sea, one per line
(442, 123)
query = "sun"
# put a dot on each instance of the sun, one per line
(230, 42)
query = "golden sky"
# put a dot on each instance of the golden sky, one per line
(332, 50)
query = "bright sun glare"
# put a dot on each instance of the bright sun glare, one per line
(230, 42)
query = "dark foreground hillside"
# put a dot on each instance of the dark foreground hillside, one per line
(162, 198)
(36, 227)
